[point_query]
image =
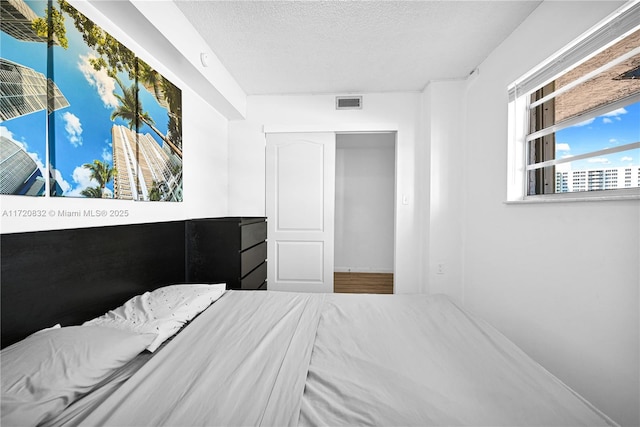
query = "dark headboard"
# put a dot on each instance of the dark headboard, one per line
(70, 276)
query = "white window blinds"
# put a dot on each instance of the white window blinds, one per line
(618, 26)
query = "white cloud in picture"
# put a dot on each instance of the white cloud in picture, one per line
(82, 179)
(103, 83)
(73, 127)
(107, 154)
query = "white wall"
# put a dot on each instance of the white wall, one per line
(444, 112)
(399, 112)
(561, 279)
(205, 179)
(364, 207)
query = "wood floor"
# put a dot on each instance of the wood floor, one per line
(363, 283)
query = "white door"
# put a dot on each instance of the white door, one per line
(300, 187)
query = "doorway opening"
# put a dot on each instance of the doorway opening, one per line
(364, 212)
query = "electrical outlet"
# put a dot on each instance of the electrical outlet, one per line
(440, 268)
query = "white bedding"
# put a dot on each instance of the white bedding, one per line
(276, 358)
(419, 360)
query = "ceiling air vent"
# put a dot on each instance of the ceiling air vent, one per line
(348, 102)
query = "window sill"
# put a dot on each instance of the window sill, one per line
(571, 198)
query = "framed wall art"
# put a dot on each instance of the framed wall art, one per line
(81, 114)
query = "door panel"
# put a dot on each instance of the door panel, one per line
(309, 261)
(300, 183)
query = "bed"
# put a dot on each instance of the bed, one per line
(244, 358)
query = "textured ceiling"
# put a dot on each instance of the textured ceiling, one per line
(289, 47)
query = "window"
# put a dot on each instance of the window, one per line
(575, 120)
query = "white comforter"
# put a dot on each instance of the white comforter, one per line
(276, 359)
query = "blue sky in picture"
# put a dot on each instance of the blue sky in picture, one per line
(614, 129)
(83, 129)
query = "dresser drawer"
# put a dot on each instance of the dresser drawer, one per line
(252, 234)
(227, 250)
(255, 279)
(253, 257)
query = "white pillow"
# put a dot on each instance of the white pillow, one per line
(47, 371)
(163, 311)
(56, 326)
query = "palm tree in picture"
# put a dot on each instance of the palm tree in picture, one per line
(155, 194)
(152, 81)
(130, 110)
(92, 192)
(101, 172)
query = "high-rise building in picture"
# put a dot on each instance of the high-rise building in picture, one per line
(145, 171)
(19, 173)
(24, 91)
(17, 18)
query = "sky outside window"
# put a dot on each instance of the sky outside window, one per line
(616, 128)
